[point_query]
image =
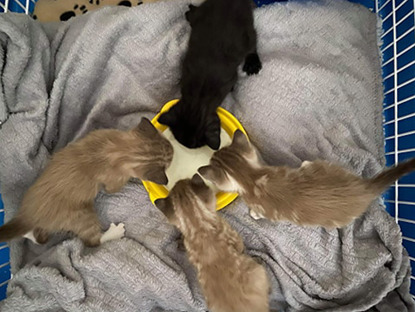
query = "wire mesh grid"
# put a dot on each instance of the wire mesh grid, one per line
(398, 68)
(18, 6)
(4, 260)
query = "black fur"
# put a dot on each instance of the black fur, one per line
(223, 37)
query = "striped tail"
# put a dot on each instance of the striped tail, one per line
(12, 229)
(384, 179)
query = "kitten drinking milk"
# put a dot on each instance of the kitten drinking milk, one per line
(230, 280)
(186, 161)
(318, 193)
(62, 198)
(222, 37)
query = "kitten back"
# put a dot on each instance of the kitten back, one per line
(62, 197)
(383, 180)
(231, 281)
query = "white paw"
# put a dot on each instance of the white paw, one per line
(255, 215)
(29, 235)
(305, 163)
(114, 232)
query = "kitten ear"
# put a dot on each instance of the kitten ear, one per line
(212, 133)
(165, 206)
(197, 180)
(169, 118)
(203, 191)
(213, 140)
(190, 15)
(156, 175)
(146, 127)
(207, 172)
(217, 176)
(239, 139)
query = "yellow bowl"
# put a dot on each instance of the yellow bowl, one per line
(228, 122)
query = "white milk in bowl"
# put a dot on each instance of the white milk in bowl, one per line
(186, 161)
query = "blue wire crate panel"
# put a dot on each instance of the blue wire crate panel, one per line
(18, 6)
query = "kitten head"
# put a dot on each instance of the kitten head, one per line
(191, 129)
(228, 165)
(190, 203)
(153, 153)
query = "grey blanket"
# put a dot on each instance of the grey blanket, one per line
(318, 96)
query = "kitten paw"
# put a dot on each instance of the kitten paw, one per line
(255, 215)
(305, 163)
(30, 236)
(41, 236)
(189, 13)
(114, 232)
(180, 243)
(252, 64)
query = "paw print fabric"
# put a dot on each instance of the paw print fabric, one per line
(62, 10)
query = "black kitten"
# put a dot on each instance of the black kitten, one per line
(223, 36)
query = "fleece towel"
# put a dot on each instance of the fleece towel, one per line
(63, 10)
(319, 95)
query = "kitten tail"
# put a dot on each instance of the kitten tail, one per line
(383, 180)
(14, 228)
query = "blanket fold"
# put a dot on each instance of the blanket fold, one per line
(319, 95)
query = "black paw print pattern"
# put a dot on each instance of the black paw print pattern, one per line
(123, 3)
(128, 3)
(76, 9)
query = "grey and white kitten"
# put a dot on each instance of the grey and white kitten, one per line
(230, 280)
(62, 198)
(318, 193)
